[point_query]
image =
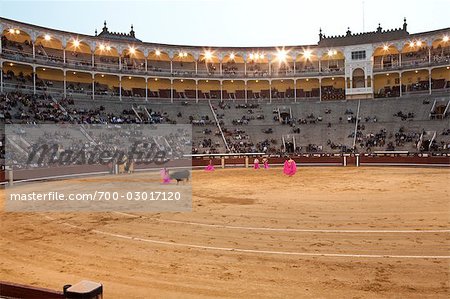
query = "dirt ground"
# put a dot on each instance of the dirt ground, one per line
(324, 233)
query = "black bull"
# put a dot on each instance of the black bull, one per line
(180, 176)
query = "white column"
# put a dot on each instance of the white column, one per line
(34, 80)
(171, 90)
(1, 46)
(1, 80)
(429, 80)
(399, 59)
(320, 89)
(221, 90)
(120, 88)
(221, 73)
(320, 65)
(93, 86)
(146, 64)
(429, 55)
(245, 68)
(196, 91)
(270, 91)
(120, 62)
(270, 68)
(171, 65)
(400, 79)
(146, 84)
(64, 55)
(294, 66)
(245, 97)
(93, 60)
(295, 90)
(34, 51)
(196, 67)
(65, 83)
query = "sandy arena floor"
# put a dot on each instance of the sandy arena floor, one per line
(324, 233)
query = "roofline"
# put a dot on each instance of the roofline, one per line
(413, 35)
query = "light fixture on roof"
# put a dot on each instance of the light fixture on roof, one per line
(129, 78)
(252, 56)
(332, 52)
(282, 55)
(307, 54)
(76, 43)
(108, 48)
(208, 55)
(445, 39)
(181, 80)
(17, 31)
(261, 56)
(257, 81)
(132, 50)
(103, 76)
(12, 31)
(256, 56)
(307, 79)
(419, 43)
(232, 81)
(387, 74)
(11, 64)
(232, 56)
(207, 81)
(74, 73)
(156, 79)
(43, 69)
(102, 47)
(157, 52)
(385, 47)
(47, 37)
(417, 72)
(411, 44)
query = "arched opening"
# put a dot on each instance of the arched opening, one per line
(332, 61)
(333, 88)
(15, 41)
(208, 64)
(106, 86)
(308, 88)
(106, 57)
(440, 78)
(440, 50)
(183, 64)
(282, 64)
(79, 82)
(78, 53)
(184, 89)
(159, 62)
(133, 59)
(358, 78)
(233, 65)
(307, 62)
(49, 49)
(386, 85)
(257, 64)
(386, 57)
(415, 53)
(283, 89)
(233, 89)
(17, 76)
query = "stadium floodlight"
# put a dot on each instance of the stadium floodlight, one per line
(208, 55)
(282, 55)
(307, 54)
(47, 37)
(445, 39)
(157, 52)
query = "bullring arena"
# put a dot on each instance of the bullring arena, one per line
(364, 117)
(326, 232)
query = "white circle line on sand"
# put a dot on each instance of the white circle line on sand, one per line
(230, 249)
(286, 229)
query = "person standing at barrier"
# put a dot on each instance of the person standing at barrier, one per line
(266, 163)
(210, 166)
(256, 163)
(290, 168)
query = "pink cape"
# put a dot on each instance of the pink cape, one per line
(290, 168)
(210, 167)
(266, 165)
(256, 165)
(165, 176)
